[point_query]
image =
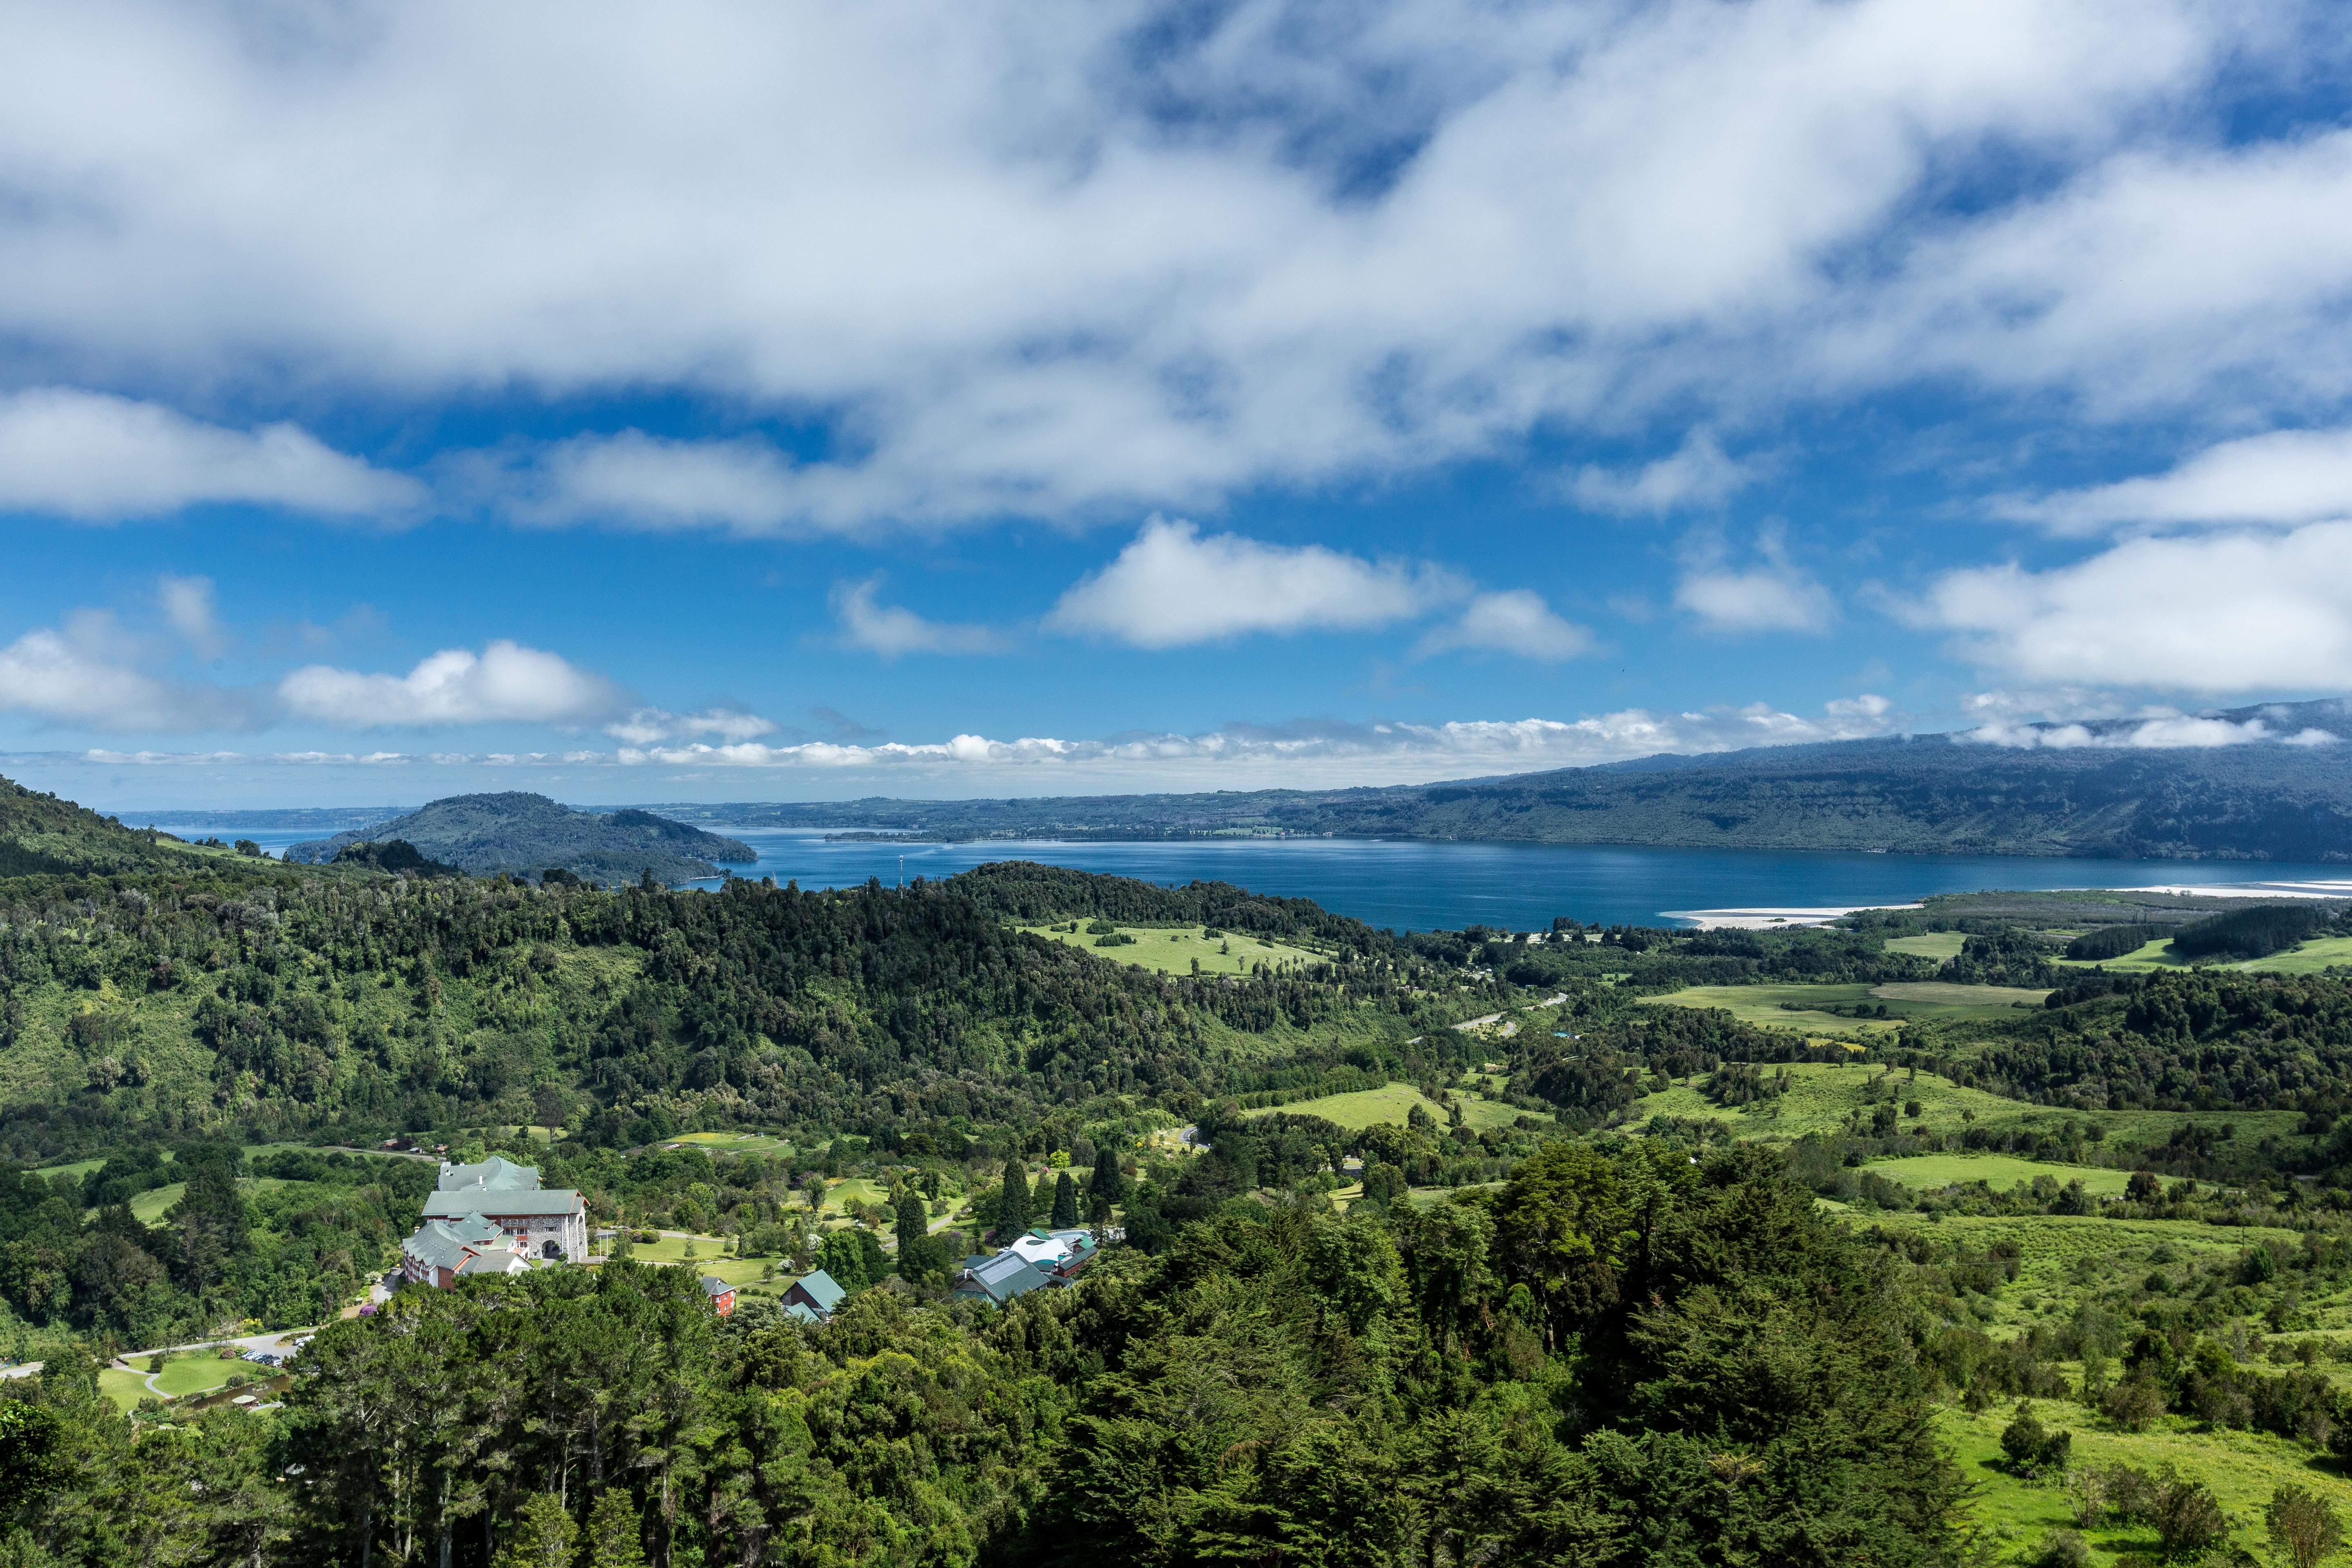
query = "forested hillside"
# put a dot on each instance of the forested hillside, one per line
(526, 835)
(1457, 1247)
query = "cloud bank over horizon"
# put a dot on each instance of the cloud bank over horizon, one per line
(521, 381)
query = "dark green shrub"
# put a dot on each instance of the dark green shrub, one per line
(2110, 941)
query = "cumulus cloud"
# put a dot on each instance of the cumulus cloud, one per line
(891, 630)
(102, 459)
(646, 726)
(505, 681)
(1171, 587)
(1328, 752)
(1772, 596)
(1312, 753)
(2231, 612)
(1517, 622)
(1698, 474)
(88, 675)
(2285, 477)
(1015, 262)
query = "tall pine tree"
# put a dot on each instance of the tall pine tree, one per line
(1012, 1211)
(1107, 1187)
(1065, 1203)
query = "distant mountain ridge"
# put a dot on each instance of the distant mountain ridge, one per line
(528, 834)
(2080, 790)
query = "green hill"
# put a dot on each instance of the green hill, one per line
(40, 834)
(529, 834)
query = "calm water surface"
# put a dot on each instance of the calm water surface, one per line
(1416, 886)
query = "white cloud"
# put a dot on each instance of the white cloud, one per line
(1323, 753)
(646, 726)
(1016, 262)
(1697, 474)
(2285, 477)
(1775, 596)
(892, 629)
(1171, 587)
(87, 676)
(1516, 621)
(2232, 612)
(2163, 732)
(102, 459)
(188, 606)
(2166, 276)
(505, 681)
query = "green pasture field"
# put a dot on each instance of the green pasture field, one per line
(1393, 1104)
(1928, 1173)
(125, 1388)
(149, 1206)
(1173, 951)
(1935, 945)
(2305, 958)
(1822, 1094)
(1942, 999)
(2243, 1467)
(200, 1371)
(2149, 956)
(2061, 1255)
(736, 1142)
(2308, 958)
(1761, 1004)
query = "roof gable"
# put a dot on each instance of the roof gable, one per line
(823, 1290)
(496, 1173)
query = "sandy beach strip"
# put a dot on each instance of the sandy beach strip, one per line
(1767, 919)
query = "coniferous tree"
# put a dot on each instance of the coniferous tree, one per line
(1012, 1211)
(615, 1538)
(1065, 1203)
(544, 1536)
(912, 1224)
(1107, 1187)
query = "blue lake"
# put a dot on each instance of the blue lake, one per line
(1420, 886)
(1417, 887)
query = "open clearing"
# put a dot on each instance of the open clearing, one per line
(1822, 1095)
(150, 1207)
(1175, 951)
(1813, 1009)
(1942, 999)
(1927, 1173)
(1393, 1104)
(1937, 945)
(2305, 958)
(736, 1142)
(2243, 1467)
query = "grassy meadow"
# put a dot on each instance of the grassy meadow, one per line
(2305, 958)
(1175, 951)
(1393, 1104)
(2243, 1467)
(1935, 946)
(1812, 1008)
(1822, 1095)
(1927, 1173)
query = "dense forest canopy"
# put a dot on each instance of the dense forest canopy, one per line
(1573, 1297)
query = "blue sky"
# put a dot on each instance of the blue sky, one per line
(782, 402)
